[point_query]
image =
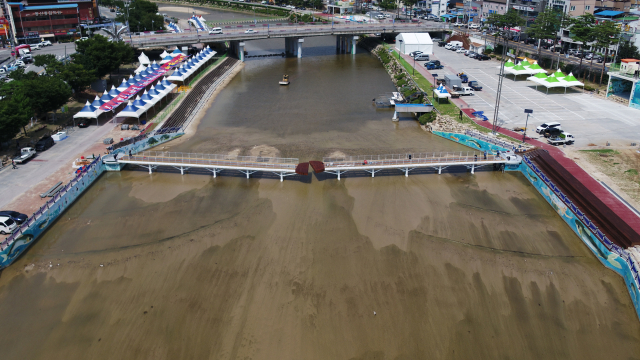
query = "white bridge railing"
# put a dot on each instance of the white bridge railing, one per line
(409, 159)
(212, 160)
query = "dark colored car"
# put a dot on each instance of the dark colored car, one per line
(482, 57)
(44, 143)
(84, 123)
(441, 43)
(19, 218)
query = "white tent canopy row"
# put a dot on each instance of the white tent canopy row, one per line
(557, 79)
(143, 103)
(190, 67)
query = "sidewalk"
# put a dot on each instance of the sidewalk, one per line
(592, 184)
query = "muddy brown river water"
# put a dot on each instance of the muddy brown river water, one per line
(455, 266)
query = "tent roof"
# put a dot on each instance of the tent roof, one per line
(519, 67)
(415, 38)
(609, 13)
(559, 74)
(144, 59)
(551, 79)
(541, 75)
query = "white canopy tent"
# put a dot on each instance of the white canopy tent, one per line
(130, 111)
(144, 59)
(140, 69)
(410, 42)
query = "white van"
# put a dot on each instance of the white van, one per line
(7, 225)
(380, 17)
(454, 44)
(215, 30)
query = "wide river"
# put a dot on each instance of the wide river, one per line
(455, 266)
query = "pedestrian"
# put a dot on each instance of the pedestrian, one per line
(460, 114)
(129, 153)
(13, 164)
(475, 156)
(485, 154)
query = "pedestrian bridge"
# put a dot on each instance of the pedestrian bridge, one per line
(283, 167)
(266, 31)
(214, 163)
(407, 162)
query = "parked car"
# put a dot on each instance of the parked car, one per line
(473, 55)
(414, 53)
(7, 225)
(250, 31)
(20, 63)
(422, 57)
(44, 143)
(433, 65)
(482, 57)
(82, 38)
(215, 30)
(474, 85)
(36, 47)
(441, 43)
(84, 123)
(474, 26)
(547, 125)
(460, 50)
(19, 218)
(27, 58)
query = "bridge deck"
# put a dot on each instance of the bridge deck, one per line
(408, 162)
(214, 163)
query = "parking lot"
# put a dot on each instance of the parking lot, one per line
(591, 119)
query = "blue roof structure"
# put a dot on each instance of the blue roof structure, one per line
(96, 103)
(49, 7)
(609, 13)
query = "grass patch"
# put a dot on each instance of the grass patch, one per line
(602, 151)
(631, 172)
(206, 70)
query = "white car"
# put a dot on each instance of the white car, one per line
(460, 50)
(36, 46)
(474, 26)
(82, 38)
(250, 31)
(45, 43)
(20, 63)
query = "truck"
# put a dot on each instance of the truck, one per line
(25, 154)
(23, 49)
(463, 77)
(474, 85)
(462, 90)
(557, 136)
(433, 65)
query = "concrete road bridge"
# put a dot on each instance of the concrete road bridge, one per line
(293, 34)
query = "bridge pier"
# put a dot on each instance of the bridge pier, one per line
(293, 46)
(354, 42)
(472, 168)
(238, 48)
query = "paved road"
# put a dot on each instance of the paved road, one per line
(15, 182)
(589, 118)
(56, 49)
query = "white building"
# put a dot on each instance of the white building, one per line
(439, 7)
(410, 42)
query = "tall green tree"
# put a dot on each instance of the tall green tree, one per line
(44, 60)
(504, 23)
(47, 93)
(545, 26)
(15, 113)
(606, 34)
(141, 15)
(628, 50)
(582, 31)
(101, 55)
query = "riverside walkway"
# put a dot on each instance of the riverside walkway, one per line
(406, 162)
(212, 162)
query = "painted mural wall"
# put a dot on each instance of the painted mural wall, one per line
(19, 241)
(611, 255)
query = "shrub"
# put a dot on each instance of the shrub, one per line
(427, 118)
(401, 83)
(399, 76)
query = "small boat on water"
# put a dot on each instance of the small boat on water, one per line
(396, 97)
(285, 80)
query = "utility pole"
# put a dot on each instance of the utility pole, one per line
(499, 90)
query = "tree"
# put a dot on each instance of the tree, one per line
(605, 34)
(141, 15)
(44, 60)
(582, 31)
(628, 50)
(388, 4)
(15, 113)
(545, 26)
(101, 55)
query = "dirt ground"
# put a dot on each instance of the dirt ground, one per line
(618, 168)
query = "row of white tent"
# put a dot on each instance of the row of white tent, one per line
(190, 67)
(133, 109)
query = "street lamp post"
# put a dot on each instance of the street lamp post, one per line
(399, 49)
(435, 82)
(526, 124)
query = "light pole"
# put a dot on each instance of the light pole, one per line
(526, 124)
(399, 49)
(435, 82)
(414, 64)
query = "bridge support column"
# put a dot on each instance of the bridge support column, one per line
(241, 51)
(299, 41)
(150, 169)
(472, 168)
(439, 170)
(354, 42)
(337, 43)
(406, 172)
